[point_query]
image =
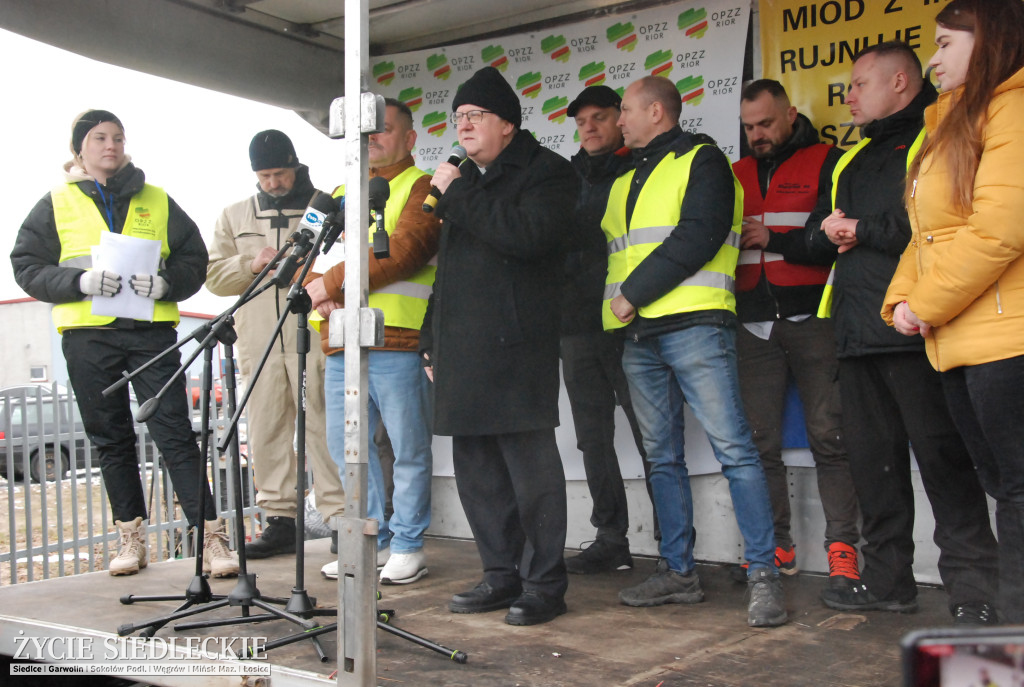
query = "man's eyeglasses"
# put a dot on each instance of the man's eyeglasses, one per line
(474, 116)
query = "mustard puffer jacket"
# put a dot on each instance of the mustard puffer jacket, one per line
(964, 275)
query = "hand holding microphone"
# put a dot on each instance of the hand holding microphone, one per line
(444, 176)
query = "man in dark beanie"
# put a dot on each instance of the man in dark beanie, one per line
(489, 343)
(247, 236)
(272, 149)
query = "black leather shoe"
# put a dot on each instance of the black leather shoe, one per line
(483, 598)
(278, 537)
(533, 608)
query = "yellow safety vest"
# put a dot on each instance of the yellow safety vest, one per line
(825, 306)
(404, 303)
(79, 227)
(655, 216)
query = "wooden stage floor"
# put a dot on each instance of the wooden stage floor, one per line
(598, 642)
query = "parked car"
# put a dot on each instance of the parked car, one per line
(196, 388)
(46, 427)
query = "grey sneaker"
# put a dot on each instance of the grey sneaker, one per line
(767, 608)
(664, 587)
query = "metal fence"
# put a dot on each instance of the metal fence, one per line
(58, 518)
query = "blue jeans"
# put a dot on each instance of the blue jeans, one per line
(697, 365)
(399, 397)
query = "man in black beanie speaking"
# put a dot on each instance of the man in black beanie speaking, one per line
(489, 343)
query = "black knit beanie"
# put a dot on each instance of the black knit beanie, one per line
(489, 90)
(271, 149)
(86, 122)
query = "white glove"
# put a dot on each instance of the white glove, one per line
(99, 283)
(149, 285)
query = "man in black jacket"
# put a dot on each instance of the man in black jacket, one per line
(592, 358)
(889, 391)
(778, 287)
(490, 344)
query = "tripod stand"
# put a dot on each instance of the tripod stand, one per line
(197, 597)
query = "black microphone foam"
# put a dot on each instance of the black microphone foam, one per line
(456, 158)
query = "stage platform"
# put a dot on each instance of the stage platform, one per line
(598, 642)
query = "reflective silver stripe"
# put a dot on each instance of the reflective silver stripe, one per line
(715, 280)
(785, 219)
(750, 257)
(618, 245)
(708, 278)
(733, 239)
(433, 261)
(407, 288)
(649, 235)
(83, 262)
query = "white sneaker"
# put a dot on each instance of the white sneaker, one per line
(131, 554)
(403, 568)
(218, 559)
(330, 570)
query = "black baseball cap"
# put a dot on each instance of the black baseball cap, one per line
(602, 96)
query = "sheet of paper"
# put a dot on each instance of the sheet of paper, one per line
(335, 256)
(126, 255)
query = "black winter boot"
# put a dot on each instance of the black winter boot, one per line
(278, 537)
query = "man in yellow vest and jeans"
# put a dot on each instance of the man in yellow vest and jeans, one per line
(399, 393)
(52, 260)
(673, 230)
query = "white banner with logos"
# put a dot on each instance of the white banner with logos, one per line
(698, 45)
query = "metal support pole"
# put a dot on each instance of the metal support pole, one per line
(357, 576)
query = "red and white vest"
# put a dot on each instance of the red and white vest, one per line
(792, 194)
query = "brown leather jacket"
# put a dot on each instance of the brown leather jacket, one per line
(413, 244)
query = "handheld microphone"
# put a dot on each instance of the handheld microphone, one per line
(302, 240)
(379, 192)
(456, 158)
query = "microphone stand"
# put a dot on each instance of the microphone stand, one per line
(300, 607)
(198, 598)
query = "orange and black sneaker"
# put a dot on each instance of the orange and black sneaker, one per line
(785, 561)
(842, 565)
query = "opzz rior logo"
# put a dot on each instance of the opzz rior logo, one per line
(693, 22)
(529, 84)
(438, 65)
(436, 123)
(623, 35)
(691, 89)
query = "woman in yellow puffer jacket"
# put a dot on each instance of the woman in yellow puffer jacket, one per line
(960, 282)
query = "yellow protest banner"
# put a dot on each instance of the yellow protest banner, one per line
(809, 47)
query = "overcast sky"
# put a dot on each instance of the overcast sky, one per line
(191, 141)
